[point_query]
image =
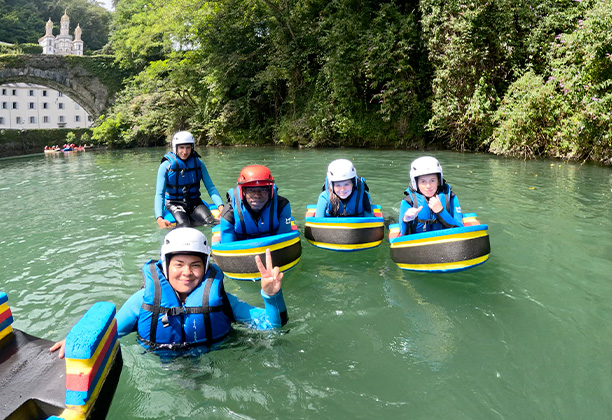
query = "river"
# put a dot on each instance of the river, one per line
(527, 335)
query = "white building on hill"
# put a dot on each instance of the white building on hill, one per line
(30, 106)
(63, 43)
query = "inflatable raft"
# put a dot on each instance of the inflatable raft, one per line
(344, 233)
(36, 384)
(446, 250)
(169, 217)
(237, 259)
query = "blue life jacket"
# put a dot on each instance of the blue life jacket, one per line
(204, 318)
(244, 224)
(426, 216)
(354, 203)
(183, 177)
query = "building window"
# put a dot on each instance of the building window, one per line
(1, 120)
(60, 119)
(45, 119)
(31, 92)
(14, 92)
(77, 118)
(18, 120)
(60, 105)
(4, 91)
(15, 105)
(76, 106)
(4, 105)
(89, 118)
(32, 105)
(60, 94)
(44, 93)
(45, 105)
(32, 120)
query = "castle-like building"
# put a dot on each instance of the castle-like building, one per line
(63, 43)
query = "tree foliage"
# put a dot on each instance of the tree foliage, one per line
(516, 77)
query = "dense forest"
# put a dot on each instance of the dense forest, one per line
(528, 78)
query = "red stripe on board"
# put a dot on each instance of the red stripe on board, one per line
(82, 381)
(5, 315)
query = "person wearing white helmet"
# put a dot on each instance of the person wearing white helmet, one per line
(178, 186)
(184, 304)
(429, 204)
(344, 194)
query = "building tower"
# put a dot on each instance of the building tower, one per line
(64, 39)
(47, 42)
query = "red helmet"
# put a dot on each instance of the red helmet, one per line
(255, 176)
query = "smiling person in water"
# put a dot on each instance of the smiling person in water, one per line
(344, 194)
(183, 302)
(254, 209)
(178, 185)
(429, 204)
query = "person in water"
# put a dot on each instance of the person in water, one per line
(344, 194)
(178, 186)
(254, 209)
(183, 302)
(429, 204)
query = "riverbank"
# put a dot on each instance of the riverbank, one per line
(27, 142)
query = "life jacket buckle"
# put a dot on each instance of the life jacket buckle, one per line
(165, 321)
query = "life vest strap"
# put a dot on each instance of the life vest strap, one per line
(182, 310)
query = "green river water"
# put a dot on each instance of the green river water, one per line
(527, 335)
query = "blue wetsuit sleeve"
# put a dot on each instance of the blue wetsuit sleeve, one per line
(127, 316)
(284, 220)
(160, 188)
(321, 205)
(210, 187)
(227, 230)
(455, 221)
(273, 316)
(404, 206)
(367, 213)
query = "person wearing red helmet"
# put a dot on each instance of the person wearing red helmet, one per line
(254, 208)
(178, 186)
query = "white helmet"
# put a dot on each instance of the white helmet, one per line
(341, 170)
(424, 166)
(182, 137)
(184, 240)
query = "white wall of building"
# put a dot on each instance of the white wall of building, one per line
(30, 106)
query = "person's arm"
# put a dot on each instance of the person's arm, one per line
(160, 191)
(210, 187)
(127, 321)
(275, 313)
(284, 220)
(127, 316)
(227, 227)
(321, 205)
(260, 318)
(404, 206)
